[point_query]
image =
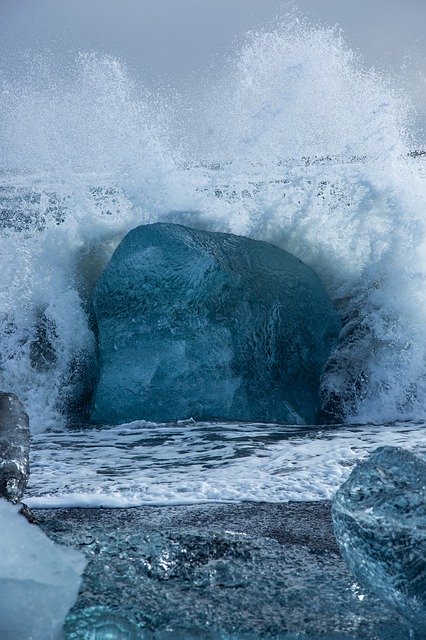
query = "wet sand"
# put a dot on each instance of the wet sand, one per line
(295, 523)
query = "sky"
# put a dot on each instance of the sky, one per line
(177, 42)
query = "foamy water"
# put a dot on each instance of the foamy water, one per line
(188, 462)
(299, 145)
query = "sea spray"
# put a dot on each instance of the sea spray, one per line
(299, 145)
(63, 216)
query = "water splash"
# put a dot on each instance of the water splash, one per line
(299, 145)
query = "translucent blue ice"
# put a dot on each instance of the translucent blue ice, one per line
(99, 623)
(14, 447)
(39, 580)
(211, 326)
(380, 523)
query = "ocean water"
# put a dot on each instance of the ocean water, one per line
(188, 462)
(299, 144)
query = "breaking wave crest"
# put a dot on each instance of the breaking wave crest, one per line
(299, 145)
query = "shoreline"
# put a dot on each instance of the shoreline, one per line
(306, 524)
(258, 568)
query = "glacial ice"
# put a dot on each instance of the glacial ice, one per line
(379, 516)
(211, 326)
(39, 580)
(102, 623)
(14, 447)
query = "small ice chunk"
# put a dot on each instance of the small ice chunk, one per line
(101, 623)
(39, 580)
(379, 517)
(14, 447)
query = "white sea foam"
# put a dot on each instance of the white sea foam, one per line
(311, 152)
(187, 463)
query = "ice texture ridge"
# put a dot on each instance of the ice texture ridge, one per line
(379, 517)
(210, 326)
(14, 447)
(39, 580)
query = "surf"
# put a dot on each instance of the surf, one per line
(299, 144)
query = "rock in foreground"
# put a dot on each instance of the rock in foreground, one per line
(39, 580)
(14, 447)
(211, 326)
(379, 517)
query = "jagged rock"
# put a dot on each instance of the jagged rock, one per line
(379, 517)
(211, 326)
(14, 447)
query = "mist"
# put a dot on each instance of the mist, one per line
(181, 45)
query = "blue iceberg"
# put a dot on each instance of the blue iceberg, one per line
(379, 517)
(210, 326)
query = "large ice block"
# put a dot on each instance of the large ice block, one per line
(211, 326)
(379, 516)
(39, 580)
(14, 447)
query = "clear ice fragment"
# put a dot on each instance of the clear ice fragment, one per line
(379, 517)
(14, 447)
(39, 580)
